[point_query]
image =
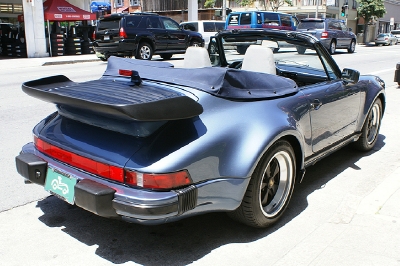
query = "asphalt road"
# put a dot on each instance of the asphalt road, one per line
(36, 229)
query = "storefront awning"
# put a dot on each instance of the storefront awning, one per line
(61, 10)
(100, 6)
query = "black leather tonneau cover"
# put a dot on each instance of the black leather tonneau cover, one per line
(115, 98)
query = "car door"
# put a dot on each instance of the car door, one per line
(177, 38)
(160, 35)
(345, 35)
(334, 109)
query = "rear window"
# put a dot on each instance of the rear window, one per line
(395, 32)
(311, 25)
(213, 26)
(219, 25)
(108, 24)
(190, 26)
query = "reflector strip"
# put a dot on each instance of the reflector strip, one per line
(101, 169)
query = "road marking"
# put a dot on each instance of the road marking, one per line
(381, 71)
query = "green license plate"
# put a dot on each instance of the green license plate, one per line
(60, 184)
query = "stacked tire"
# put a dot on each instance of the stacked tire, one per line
(57, 44)
(87, 47)
(11, 49)
(73, 46)
(20, 50)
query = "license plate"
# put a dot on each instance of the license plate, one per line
(106, 38)
(60, 184)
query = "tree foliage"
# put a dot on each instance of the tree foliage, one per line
(245, 2)
(368, 10)
(209, 3)
(275, 4)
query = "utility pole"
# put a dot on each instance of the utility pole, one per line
(316, 10)
(223, 9)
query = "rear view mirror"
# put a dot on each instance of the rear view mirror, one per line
(350, 75)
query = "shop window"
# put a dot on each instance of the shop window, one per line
(134, 2)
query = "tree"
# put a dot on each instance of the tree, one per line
(368, 10)
(275, 4)
(209, 3)
(245, 2)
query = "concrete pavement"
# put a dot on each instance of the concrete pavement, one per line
(365, 230)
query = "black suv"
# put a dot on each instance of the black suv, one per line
(332, 33)
(141, 35)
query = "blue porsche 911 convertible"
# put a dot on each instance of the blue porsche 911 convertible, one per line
(229, 132)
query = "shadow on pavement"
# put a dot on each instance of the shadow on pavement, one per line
(182, 242)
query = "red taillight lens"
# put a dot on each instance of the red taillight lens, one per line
(94, 36)
(158, 181)
(101, 169)
(324, 34)
(122, 33)
(124, 72)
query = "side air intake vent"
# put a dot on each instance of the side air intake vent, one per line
(187, 198)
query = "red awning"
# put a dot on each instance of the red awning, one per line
(61, 10)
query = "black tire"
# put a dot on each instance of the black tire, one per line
(270, 187)
(195, 43)
(352, 47)
(166, 56)
(370, 130)
(332, 47)
(301, 49)
(144, 51)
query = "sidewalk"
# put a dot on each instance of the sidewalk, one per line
(12, 62)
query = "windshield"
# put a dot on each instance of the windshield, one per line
(290, 59)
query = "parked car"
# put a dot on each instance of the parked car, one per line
(150, 143)
(141, 35)
(207, 28)
(396, 33)
(332, 33)
(261, 19)
(385, 39)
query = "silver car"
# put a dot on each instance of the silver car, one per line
(385, 39)
(333, 33)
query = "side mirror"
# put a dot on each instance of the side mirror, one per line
(350, 75)
(350, 29)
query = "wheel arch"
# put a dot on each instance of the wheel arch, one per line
(148, 40)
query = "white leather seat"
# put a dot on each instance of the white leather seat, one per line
(196, 57)
(259, 59)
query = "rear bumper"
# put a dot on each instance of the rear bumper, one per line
(108, 199)
(120, 48)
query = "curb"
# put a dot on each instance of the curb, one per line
(69, 62)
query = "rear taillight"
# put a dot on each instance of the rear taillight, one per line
(101, 169)
(158, 181)
(115, 173)
(324, 35)
(122, 33)
(94, 36)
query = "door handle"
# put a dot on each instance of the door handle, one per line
(316, 104)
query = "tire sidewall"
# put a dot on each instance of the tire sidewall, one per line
(139, 54)
(258, 178)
